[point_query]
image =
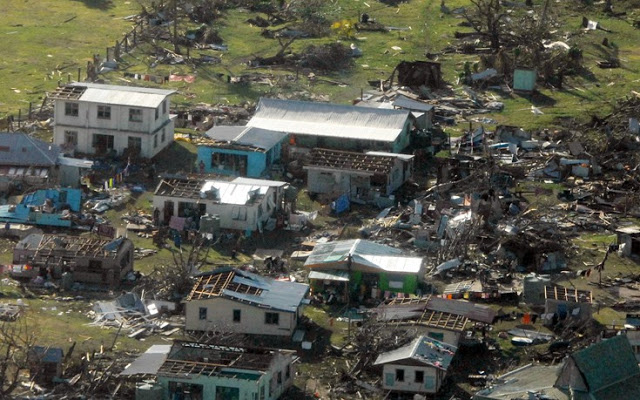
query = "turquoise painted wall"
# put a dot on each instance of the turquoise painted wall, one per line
(257, 163)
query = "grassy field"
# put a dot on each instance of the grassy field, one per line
(49, 39)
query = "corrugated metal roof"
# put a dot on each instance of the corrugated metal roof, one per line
(405, 265)
(240, 190)
(279, 295)
(609, 362)
(474, 312)
(410, 104)
(340, 276)
(149, 362)
(424, 350)
(330, 120)
(247, 136)
(518, 383)
(21, 149)
(123, 95)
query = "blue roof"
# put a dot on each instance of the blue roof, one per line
(252, 288)
(48, 354)
(20, 213)
(22, 149)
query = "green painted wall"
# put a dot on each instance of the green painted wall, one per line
(410, 283)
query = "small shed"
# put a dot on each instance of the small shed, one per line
(524, 79)
(418, 367)
(629, 240)
(45, 363)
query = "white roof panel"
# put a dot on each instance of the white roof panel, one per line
(123, 95)
(329, 120)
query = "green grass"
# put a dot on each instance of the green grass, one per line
(39, 47)
(36, 30)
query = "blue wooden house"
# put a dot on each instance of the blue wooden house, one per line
(239, 150)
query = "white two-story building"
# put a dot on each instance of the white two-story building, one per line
(100, 119)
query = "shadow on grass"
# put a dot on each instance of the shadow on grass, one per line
(177, 157)
(98, 4)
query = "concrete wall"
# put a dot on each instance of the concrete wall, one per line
(87, 123)
(226, 211)
(252, 318)
(552, 306)
(256, 161)
(432, 379)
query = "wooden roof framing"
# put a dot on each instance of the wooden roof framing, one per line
(442, 320)
(408, 300)
(208, 359)
(566, 294)
(68, 93)
(346, 160)
(52, 246)
(187, 188)
(212, 285)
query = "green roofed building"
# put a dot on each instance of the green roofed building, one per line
(369, 269)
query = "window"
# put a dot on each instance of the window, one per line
(71, 137)
(287, 372)
(104, 112)
(399, 375)
(271, 318)
(419, 376)
(164, 107)
(157, 112)
(202, 313)
(134, 143)
(164, 136)
(155, 141)
(102, 142)
(135, 115)
(236, 315)
(95, 266)
(71, 109)
(239, 213)
(262, 392)
(279, 377)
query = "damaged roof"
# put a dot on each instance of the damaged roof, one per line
(131, 96)
(566, 294)
(350, 161)
(245, 286)
(608, 367)
(239, 191)
(246, 136)
(211, 359)
(421, 351)
(22, 149)
(365, 254)
(332, 120)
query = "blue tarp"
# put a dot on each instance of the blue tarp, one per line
(341, 204)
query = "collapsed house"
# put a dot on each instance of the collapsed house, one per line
(242, 204)
(333, 126)
(361, 176)
(603, 371)
(94, 118)
(628, 237)
(86, 259)
(229, 299)
(197, 371)
(239, 151)
(418, 367)
(47, 207)
(414, 313)
(363, 269)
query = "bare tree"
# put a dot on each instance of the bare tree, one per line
(16, 340)
(487, 18)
